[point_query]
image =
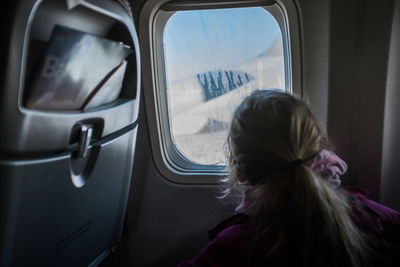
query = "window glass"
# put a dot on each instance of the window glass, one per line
(213, 60)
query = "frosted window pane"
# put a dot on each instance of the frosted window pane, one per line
(213, 59)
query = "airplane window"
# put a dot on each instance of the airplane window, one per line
(213, 59)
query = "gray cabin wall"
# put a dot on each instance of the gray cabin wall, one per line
(359, 53)
(315, 44)
(390, 181)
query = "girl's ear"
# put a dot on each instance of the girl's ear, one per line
(241, 178)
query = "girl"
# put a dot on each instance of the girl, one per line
(293, 212)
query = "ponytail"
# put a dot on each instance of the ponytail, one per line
(324, 222)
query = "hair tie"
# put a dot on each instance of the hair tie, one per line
(302, 161)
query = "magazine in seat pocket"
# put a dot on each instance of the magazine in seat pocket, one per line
(74, 65)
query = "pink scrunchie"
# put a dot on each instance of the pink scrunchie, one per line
(329, 166)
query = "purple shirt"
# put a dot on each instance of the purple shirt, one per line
(232, 241)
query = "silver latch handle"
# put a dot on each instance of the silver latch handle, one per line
(84, 140)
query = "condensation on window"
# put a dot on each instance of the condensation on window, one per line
(213, 60)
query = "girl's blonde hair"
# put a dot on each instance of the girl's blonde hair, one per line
(271, 137)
